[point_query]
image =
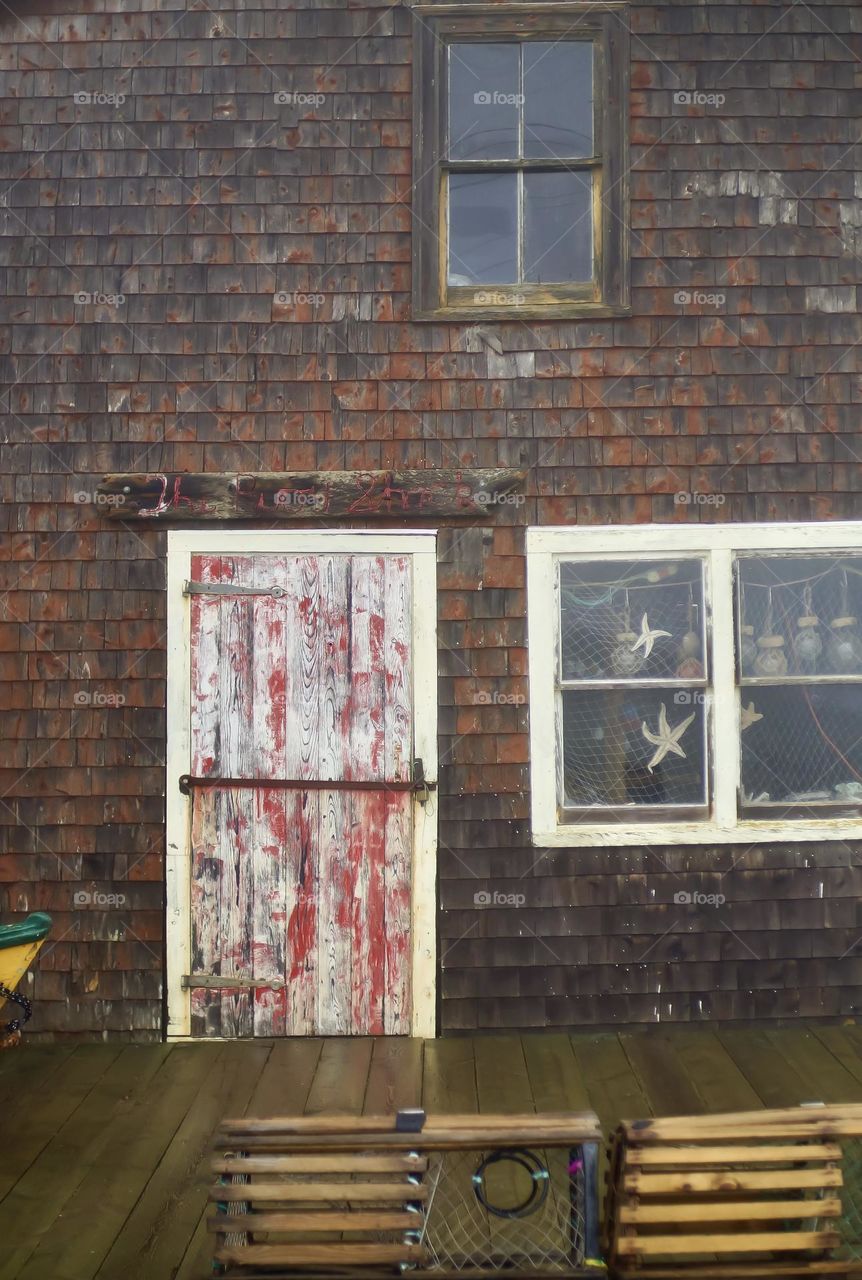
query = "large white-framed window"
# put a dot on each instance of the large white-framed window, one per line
(695, 684)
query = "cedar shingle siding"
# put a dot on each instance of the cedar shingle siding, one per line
(198, 198)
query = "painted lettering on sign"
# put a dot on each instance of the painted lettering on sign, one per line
(307, 495)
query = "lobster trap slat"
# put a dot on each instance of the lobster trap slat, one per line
(450, 1196)
(744, 1195)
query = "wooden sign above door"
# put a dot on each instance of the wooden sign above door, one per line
(304, 495)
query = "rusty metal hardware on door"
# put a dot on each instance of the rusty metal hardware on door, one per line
(230, 589)
(418, 783)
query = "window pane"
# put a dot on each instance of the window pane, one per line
(799, 616)
(635, 747)
(802, 745)
(483, 228)
(558, 93)
(632, 620)
(484, 100)
(558, 227)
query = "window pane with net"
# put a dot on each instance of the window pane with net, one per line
(624, 747)
(632, 620)
(633, 676)
(799, 663)
(802, 745)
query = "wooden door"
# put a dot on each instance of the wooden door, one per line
(302, 893)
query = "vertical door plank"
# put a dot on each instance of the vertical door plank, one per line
(399, 805)
(302, 659)
(206, 909)
(337, 874)
(205, 648)
(236, 692)
(206, 760)
(270, 836)
(367, 812)
(398, 667)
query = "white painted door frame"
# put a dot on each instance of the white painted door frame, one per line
(420, 545)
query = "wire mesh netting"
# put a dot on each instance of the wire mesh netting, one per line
(799, 651)
(478, 1211)
(850, 1222)
(805, 747)
(461, 1234)
(632, 620)
(799, 616)
(632, 624)
(634, 747)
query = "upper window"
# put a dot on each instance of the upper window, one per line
(696, 685)
(519, 165)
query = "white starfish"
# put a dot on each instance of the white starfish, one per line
(749, 716)
(647, 638)
(667, 739)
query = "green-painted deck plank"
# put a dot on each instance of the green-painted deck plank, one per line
(663, 1077)
(840, 1045)
(171, 1204)
(825, 1078)
(341, 1077)
(449, 1077)
(281, 1089)
(25, 1070)
(95, 1214)
(26, 1127)
(614, 1090)
(555, 1076)
(712, 1071)
(395, 1076)
(29, 1210)
(501, 1075)
(774, 1079)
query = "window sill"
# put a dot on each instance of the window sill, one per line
(703, 833)
(548, 311)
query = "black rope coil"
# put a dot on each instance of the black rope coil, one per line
(11, 1028)
(527, 1160)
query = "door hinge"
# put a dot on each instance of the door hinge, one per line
(212, 982)
(230, 589)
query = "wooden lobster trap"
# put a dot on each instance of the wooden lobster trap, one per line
(736, 1196)
(450, 1196)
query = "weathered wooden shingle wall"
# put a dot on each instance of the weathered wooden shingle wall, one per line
(195, 201)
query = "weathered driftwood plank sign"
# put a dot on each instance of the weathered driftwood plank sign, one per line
(303, 495)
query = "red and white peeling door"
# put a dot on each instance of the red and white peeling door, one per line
(301, 895)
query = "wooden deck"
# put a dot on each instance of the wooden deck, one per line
(104, 1148)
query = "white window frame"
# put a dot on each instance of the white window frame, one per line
(420, 545)
(717, 543)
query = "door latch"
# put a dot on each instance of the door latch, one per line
(422, 787)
